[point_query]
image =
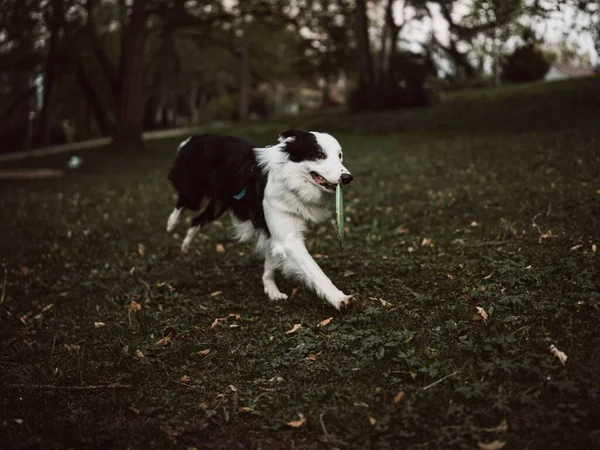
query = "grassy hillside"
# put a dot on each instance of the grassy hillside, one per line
(490, 199)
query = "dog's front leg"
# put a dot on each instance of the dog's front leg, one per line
(296, 259)
(268, 278)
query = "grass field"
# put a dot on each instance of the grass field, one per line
(491, 199)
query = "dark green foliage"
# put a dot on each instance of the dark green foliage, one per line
(405, 87)
(482, 190)
(526, 63)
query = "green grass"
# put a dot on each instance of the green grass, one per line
(447, 213)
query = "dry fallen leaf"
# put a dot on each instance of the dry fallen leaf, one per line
(245, 409)
(474, 224)
(185, 379)
(293, 329)
(313, 357)
(216, 293)
(576, 247)
(487, 277)
(99, 324)
(562, 357)
(218, 321)
(384, 303)
(503, 427)
(220, 248)
(324, 323)
(546, 235)
(450, 276)
(297, 423)
(372, 421)
(594, 248)
(426, 241)
(482, 312)
(399, 397)
(204, 352)
(135, 306)
(164, 341)
(361, 404)
(141, 249)
(495, 445)
(139, 353)
(318, 256)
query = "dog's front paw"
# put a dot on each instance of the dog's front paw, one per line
(185, 246)
(344, 302)
(274, 294)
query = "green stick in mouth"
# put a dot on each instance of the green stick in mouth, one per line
(339, 213)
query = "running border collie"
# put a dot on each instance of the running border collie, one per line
(272, 194)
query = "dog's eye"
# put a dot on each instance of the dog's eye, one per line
(341, 156)
(321, 155)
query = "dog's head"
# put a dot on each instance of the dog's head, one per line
(317, 156)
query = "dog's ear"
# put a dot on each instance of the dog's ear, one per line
(300, 145)
(292, 135)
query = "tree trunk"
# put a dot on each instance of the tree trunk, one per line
(93, 100)
(495, 56)
(108, 68)
(366, 79)
(244, 76)
(43, 131)
(14, 106)
(392, 35)
(383, 56)
(130, 114)
(325, 97)
(193, 102)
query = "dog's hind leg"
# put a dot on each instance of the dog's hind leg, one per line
(174, 218)
(212, 211)
(268, 279)
(189, 237)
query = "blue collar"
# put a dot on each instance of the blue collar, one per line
(240, 194)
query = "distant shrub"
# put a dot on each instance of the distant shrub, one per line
(223, 107)
(404, 87)
(526, 63)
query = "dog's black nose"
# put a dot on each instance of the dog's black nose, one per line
(346, 178)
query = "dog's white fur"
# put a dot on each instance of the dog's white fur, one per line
(291, 201)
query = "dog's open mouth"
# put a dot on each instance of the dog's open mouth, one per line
(322, 181)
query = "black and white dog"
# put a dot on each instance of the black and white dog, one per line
(272, 194)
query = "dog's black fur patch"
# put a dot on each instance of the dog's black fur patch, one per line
(218, 168)
(303, 146)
